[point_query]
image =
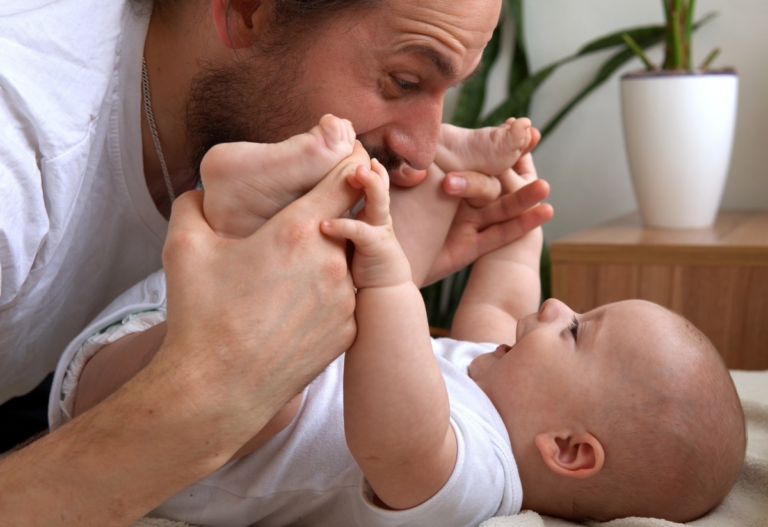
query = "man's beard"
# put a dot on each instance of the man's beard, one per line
(255, 99)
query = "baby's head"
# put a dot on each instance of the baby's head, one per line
(627, 410)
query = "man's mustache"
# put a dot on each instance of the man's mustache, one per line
(390, 160)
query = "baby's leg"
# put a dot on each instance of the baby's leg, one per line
(247, 183)
(487, 150)
(422, 217)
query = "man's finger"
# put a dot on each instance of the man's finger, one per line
(333, 195)
(506, 232)
(512, 205)
(525, 168)
(187, 224)
(478, 189)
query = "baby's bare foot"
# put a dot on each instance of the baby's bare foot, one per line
(248, 183)
(488, 150)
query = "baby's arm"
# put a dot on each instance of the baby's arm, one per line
(505, 284)
(396, 410)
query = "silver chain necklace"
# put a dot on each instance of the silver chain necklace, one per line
(153, 128)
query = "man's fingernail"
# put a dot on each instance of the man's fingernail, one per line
(456, 183)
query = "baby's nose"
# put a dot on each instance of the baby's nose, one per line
(551, 310)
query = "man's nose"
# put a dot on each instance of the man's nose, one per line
(551, 310)
(415, 138)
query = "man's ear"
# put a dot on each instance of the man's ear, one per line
(238, 21)
(575, 455)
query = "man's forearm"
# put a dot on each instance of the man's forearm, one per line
(116, 462)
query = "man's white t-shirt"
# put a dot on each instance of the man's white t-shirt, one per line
(77, 223)
(306, 475)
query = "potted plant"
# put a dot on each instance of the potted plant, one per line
(679, 123)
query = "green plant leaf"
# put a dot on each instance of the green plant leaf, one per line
(638, 34)
(637, 50)
(605, 73)
(677, 34)
(710, 59)
(689, 16)
(519, 99)
(645, 38)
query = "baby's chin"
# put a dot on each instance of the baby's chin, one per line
(481, 365)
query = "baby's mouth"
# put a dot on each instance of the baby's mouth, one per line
(502, 350)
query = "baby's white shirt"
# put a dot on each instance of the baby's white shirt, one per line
(306, 475)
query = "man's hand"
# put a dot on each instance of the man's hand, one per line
(256, 319)
(484, 223)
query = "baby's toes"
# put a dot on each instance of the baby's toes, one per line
(338, 134)
(519, 133)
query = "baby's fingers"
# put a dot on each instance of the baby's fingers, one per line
(375, 183)
(358, 232)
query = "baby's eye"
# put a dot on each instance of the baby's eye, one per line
(405, 86)
(574, 327)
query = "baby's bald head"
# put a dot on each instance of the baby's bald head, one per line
(672, 426)
(627, 410)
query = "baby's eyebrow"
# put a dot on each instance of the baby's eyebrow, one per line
(591, 328)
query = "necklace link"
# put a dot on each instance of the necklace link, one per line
(153, 128)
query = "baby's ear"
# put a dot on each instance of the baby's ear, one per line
(575, 455)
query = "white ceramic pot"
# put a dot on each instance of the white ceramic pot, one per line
(679, 135)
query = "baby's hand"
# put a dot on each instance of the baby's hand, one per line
(378, 261)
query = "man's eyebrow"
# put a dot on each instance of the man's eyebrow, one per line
(444, 66)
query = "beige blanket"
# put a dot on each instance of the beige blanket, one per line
(745, 506)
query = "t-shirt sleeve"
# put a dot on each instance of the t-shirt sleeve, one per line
(137, 309)
(479, 487)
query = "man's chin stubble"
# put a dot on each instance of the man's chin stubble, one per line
(231, 103)
(251, 100)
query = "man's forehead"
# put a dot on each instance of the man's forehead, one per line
(448, 28)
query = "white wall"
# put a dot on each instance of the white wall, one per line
(584, 159)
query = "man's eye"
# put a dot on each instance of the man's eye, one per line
(405, 86)
(574, 327)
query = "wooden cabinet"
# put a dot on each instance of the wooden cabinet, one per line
(717, 278)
